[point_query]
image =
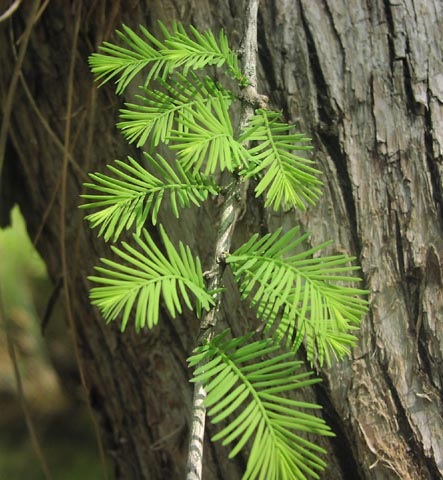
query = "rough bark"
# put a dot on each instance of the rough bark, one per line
(364, 79)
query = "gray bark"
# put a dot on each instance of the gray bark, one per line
(364, 79)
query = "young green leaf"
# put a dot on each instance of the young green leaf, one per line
(125, 63)
(288, 179)
(245, 388)
(140, 278)
(178, 49)
(307, 292)
(133, 194)
(206, 140)
(197, 50)
(159, 112)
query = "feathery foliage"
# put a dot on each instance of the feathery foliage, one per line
(209, 141)
(159, 111)
(300, 296)
(240, 382)
(126, 63)
(149, 276)
(179, 49)
(298, 288)
(288, 179)
(197, 50)
(134, 193)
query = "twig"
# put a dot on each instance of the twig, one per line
(9, 12)
(231, 209)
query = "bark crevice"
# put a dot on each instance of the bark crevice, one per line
(342, 443)
(431, 161)
(425, 465)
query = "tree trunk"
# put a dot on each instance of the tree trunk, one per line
(364, 79)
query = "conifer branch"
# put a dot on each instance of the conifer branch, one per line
(230, 213)
(290, 290)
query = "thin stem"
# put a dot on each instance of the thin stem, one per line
(195, 452)
(10, 10)
(231, 209)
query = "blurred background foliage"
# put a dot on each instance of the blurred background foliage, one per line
(48, 370)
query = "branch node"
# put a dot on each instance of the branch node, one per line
(250, 96)
(221, 258)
